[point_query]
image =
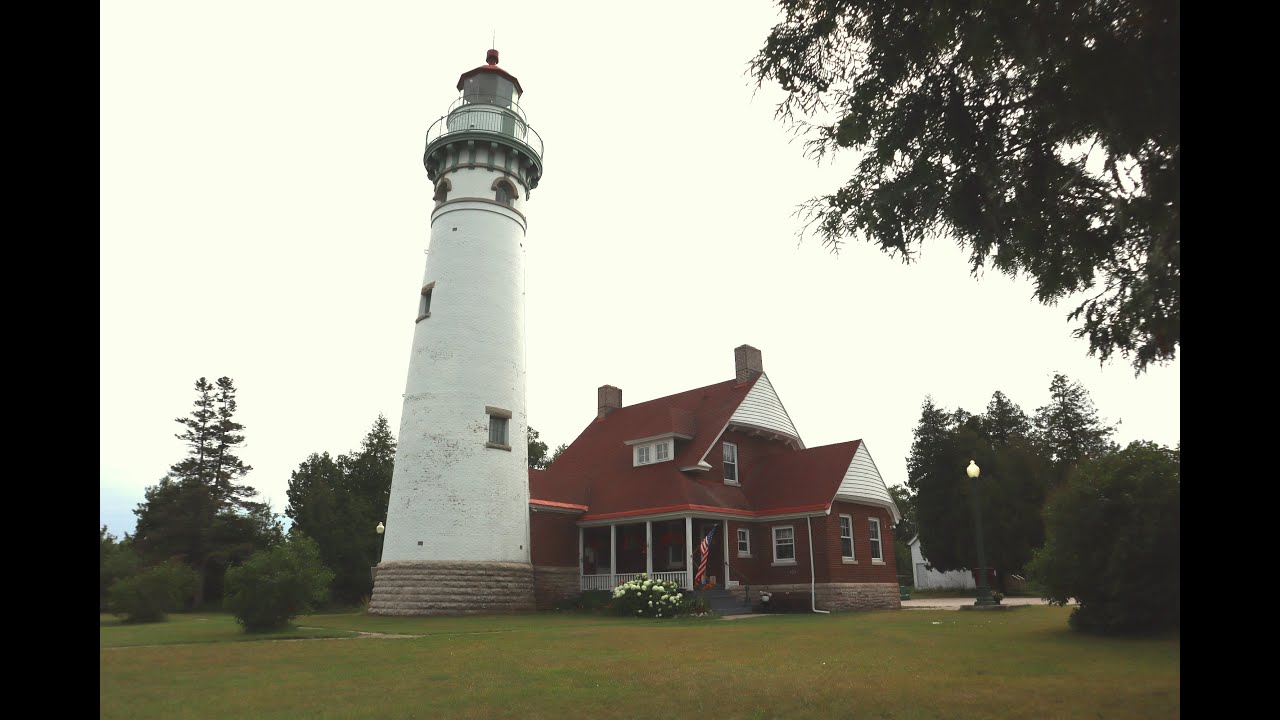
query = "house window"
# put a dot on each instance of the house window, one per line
(744, 542)
(846, 536)
(876, 554)
(675, 556)
(503, 192)
(784, 545)
(730, 463)
(660, 450)
(499, 425)
(424, 305)
(642, 455)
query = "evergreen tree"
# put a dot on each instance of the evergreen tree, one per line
(198, 513)
(930, 436)
(226, 468)
(537, 451)
(337, 503)
(558, 452)
(1004, 422)
(1069, 428)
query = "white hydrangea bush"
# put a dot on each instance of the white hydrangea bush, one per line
(643, 596)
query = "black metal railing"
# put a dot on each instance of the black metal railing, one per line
(470, 117)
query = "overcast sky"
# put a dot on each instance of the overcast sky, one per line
(264, 216)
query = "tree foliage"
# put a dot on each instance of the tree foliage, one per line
(117, 560)
(538, 459)
(1069, 427)
(148, 595)
(1010, 490)
(1112, 542)
(337, 503)
(199, 513)
(1044, 138)
(275, 586)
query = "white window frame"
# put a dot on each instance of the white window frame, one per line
(675, 556)
(661, 451)
(784, 561)
(642, 455)
(744, 538)
(736, 479)
(877, 549)
(503, 419)
(852, 556)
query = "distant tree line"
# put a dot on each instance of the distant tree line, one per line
(1026, 462)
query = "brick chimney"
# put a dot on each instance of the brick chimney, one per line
(609, 399)
(747, 362)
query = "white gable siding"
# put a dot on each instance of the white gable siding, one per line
(761, 408)
(862, 483)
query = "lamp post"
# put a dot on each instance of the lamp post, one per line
(380, 530)
(984, 591)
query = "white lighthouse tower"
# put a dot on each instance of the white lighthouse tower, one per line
(457, 527)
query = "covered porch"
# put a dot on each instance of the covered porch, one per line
(613, 553)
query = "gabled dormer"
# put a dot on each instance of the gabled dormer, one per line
(655, 449)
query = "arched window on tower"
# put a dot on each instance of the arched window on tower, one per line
(442, 190)
(504, 192)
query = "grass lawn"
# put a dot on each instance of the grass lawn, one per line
(1023, 663)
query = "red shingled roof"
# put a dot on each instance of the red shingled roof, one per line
(596, 470)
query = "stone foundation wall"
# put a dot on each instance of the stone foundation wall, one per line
(830, 596)
(442, 587)
(553, 584)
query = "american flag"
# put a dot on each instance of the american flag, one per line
(705, 548)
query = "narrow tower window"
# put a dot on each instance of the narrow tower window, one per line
(499, 427)
(424, 305)
(730, 463)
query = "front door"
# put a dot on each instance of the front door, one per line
(713, 574)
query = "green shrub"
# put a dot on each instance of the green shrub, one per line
(1112, 540)
(116, 563)
(274, 586)
(645, 597)
(148, 595)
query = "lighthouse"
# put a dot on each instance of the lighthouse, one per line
(457, 524)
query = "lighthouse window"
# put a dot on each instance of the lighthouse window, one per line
(442, 190)
(424, 305)
(504, 193)
(499, 422)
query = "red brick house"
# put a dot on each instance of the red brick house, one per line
(642, 485)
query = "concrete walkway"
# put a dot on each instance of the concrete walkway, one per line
(954, 603)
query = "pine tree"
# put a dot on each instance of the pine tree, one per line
(1069, 427)
(1004, 422)
(931, 433)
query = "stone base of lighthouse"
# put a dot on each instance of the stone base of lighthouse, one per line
(445, 587)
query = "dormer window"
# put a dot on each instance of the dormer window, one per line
(731, 463)
(651, 451)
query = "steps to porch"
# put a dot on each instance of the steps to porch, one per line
(723, 602)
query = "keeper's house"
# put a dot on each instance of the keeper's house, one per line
(642, 486)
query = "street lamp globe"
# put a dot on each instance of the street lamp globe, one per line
(973, 471)
(380, 529)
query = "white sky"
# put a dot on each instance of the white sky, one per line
(264, 215)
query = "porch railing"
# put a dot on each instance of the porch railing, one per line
(610, 581)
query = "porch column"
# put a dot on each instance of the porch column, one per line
(688, 550)
(724, 534)
(648, 547)
(613, 554)
(582, 552)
